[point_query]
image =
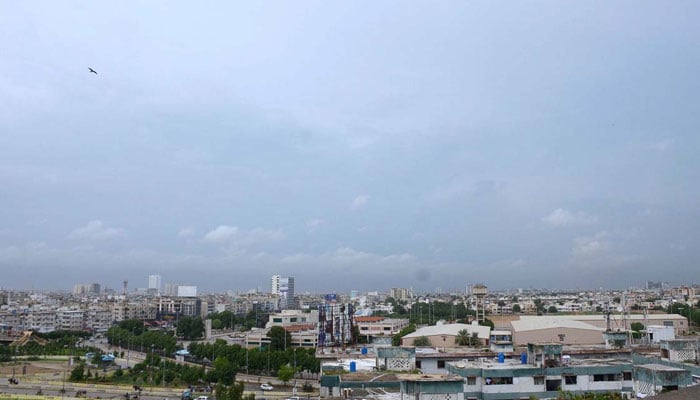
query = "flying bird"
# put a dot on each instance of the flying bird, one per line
(92, 70)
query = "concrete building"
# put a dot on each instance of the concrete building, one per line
(292, 317)
(174, 307)
(41, 320)
(555, 330)
(445, 335)
(98, 319)
(652, 379)
(380, 326)
(400, 294)
(678, 322)
(154, 282)
(186, 291)
(430, 387)
(170, 289)
(89, 288)
(70, 319)
(284, 288)
(542, 375)
(501, 341)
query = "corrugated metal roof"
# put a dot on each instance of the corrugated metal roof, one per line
(532, 324)
(451, 330)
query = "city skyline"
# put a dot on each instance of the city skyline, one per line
(544, 144)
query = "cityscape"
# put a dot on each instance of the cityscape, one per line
(349, 200)
(474, 344)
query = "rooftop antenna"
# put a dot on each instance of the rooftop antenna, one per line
(125, 282)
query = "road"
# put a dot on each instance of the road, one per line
(30, 385)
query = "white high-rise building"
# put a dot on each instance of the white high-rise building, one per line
(154, 282)
(275, 284)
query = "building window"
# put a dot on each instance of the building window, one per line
(627, 376)
(441, 363)
(553, 385)
(538, 380)
(471, 380)
(418, 364)
(605, 377)
(668, 323)
(507, 380)
(292, 320)
(387, 328)
(276, 319)
(570, 379)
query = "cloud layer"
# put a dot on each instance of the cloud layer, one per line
(435, 153)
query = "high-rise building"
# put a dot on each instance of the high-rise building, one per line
(284, 287)
(275, 284)
(400, 293)
(171, 289)
(82, 288)
(154, 282)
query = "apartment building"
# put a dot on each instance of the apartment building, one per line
(292, 317)
(70, 319)
(379, 326)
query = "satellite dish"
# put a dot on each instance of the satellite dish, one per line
(619, 308)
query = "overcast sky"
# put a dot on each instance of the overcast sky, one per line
(352, 145)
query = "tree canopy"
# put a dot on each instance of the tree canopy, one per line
(190, 328)
(280, 339)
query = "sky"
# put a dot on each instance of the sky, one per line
(353, 145)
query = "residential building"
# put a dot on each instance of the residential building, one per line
(154, 282)
(380, 326)
(543, 373)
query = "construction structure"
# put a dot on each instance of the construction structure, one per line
(480, 291)
(336, 325)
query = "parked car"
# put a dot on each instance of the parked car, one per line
(266, 386)
(203, 398)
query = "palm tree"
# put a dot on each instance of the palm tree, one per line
(463, 338)
(474, 339)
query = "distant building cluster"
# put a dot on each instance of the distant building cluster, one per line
(512, 344)
(90, 288)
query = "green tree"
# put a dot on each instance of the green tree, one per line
(421, 341)
(396, 339)
(285, 373)
(78, 373)
(280, 339)
(462, 338)
(135, 326)
(516, 308)
(487, 322)
(539, 306)
(474, 339)
(637, 327)
(190, 328)
(223, 371)
(552, 309)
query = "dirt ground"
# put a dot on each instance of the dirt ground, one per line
(37, 369)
